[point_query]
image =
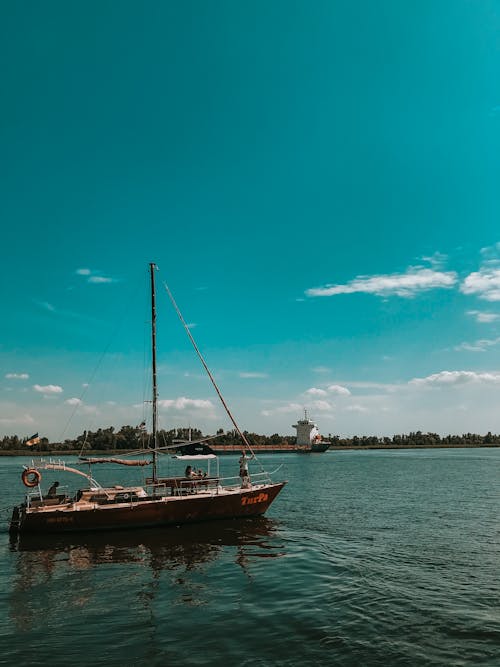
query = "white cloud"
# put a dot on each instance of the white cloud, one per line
(448, 378)
(314, 391)
(17, 376)
(483, 317)
(339, 390)
(356, 408)
(94, 277)
(336, 389)
(479, 346)
(408, 284)
(48, 389)
(253, 375)
(485, 284)
(74, 401)
(100, 279)
(183, 403)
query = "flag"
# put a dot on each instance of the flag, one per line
(33, 440)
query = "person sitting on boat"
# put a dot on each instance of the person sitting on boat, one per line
(52, 492)
(188, 472)
(245, 477)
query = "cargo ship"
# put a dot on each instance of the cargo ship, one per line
(309, 438)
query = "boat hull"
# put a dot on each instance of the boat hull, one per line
(320, 447)
(170, 510)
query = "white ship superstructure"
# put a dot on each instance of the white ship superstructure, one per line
(308, 435)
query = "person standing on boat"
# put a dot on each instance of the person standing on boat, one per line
(52, 492)
(245, 477)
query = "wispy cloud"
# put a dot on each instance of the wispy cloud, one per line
(409, 284)
(45, 305)
(491, 253)
(454, 378)
(98, 280)
(437, 260)
(48, 389)
(483, 317)
(388, 387)
(95, 277)
(17, 421)
(17, 376)
(245, 375)
(323, 406)
(295, 408)
(478, 346)
(321, 369)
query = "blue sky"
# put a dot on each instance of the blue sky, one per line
(317, 182)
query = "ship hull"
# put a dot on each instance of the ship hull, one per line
(320, 447)
(148, 512)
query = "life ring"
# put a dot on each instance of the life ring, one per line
(31, 477)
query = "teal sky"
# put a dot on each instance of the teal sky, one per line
(317, 182)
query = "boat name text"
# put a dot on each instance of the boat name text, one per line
(261, 498)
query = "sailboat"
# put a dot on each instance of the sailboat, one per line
(161, 500)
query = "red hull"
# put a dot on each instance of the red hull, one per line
(149, 512)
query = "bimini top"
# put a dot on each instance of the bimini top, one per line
(194, 457)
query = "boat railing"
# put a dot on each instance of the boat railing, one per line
(181, 486)
(36, 497)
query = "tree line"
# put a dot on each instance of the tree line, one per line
(129, 438)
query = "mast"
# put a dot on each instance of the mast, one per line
(152, 267)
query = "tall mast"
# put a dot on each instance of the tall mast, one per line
(152, 268)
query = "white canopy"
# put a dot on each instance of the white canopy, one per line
(195, 457)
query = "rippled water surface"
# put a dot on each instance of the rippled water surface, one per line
(366, 558)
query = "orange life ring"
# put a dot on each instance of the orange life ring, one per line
(31, 477)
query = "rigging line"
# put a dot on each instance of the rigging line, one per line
(89, 383)
(193, 342)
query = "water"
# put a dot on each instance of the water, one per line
(366, 558)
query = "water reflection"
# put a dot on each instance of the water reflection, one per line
(68, 570)
(167, 548)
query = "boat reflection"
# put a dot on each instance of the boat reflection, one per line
(70, 571)
(188, 546)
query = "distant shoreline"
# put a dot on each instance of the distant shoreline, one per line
(115, 452)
